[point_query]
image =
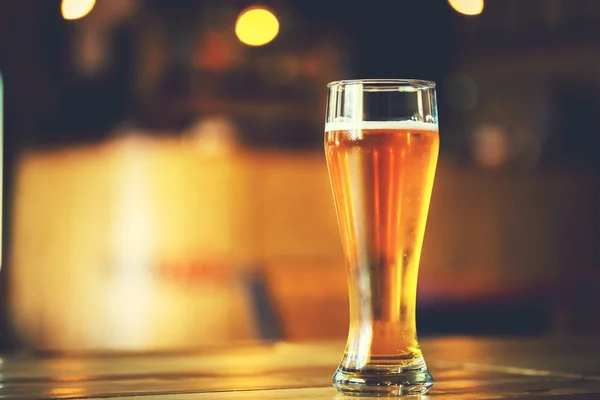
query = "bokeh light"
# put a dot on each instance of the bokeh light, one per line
(75, 9)
(467, 7)
(490, 146)
(256, 26)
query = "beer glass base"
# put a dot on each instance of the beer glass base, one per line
(384, 380)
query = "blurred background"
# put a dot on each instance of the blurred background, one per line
(165, 184)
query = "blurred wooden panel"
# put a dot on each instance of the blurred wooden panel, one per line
(132, 242)
(311, 299)
(126, 245)
(299, 221)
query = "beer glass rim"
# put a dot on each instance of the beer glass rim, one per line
(376, 85)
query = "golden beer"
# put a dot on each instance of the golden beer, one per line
(382, 180)
(382, 176)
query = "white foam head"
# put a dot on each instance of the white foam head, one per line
(355, 125)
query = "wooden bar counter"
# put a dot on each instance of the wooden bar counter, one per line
(557, 367)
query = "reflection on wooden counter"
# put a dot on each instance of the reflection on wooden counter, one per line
(143, 243)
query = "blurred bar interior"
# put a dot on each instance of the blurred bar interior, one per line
(165, 184)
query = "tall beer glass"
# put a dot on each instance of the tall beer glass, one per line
(381, 144)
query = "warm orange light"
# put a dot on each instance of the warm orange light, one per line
(256, 26)
(75, 9)
(66, 391)
(467, 7)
